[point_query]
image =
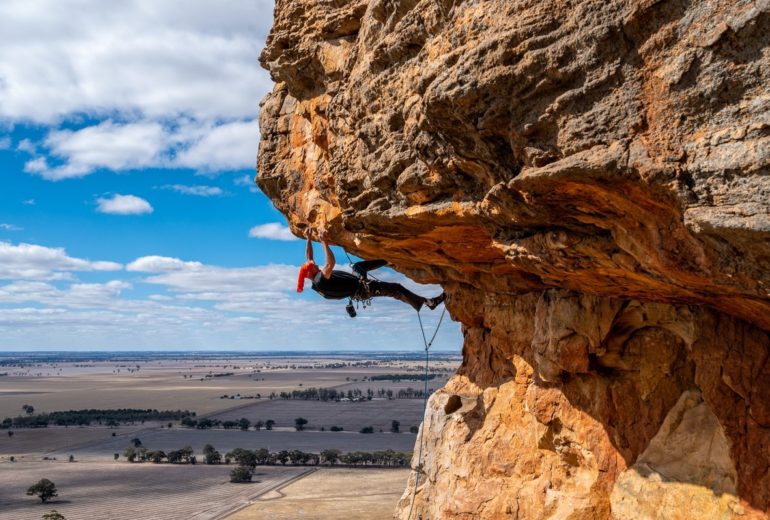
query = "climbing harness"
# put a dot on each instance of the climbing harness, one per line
(427, 344)
(363, 295)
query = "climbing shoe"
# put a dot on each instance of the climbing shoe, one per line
(432, 303)
(351, 309)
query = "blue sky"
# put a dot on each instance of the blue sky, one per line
(129, 218)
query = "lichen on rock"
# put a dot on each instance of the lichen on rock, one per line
(589, 183)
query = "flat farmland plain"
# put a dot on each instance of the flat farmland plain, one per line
(103, 491)
(351, 416)
(96, 487)
(332, 494)
(194, 385)
(33, 443)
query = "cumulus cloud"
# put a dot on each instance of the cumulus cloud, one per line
(199, 191)
(272, 231)
(189, 305)
(35, 262)
(106, 145)
(10, 227)
(144, 57)
(197, 278)
(166, 88)
(161, 264)
(248, 181)
(5, 143)
(26, 146)
(36, 165)
(123, 205)
(229, 146)
(204, 146)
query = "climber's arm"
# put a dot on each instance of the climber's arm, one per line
(330, 262)
(309, 248)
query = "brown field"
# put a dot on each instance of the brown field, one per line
(95, 487)
(349, 415)
(332, 494)
(181, 384)
(102, 491)
(33, 444)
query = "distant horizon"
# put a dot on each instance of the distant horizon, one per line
(8, 353)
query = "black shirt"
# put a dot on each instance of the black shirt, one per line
(338, 286)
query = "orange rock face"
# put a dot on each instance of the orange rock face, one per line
(589, 182)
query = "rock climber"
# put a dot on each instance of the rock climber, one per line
(337, 285)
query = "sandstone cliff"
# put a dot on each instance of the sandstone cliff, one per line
(588, 180)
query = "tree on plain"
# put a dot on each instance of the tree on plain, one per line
(262, 455)
(258, 425)
(243, 457)
(28, 408)
(187, 455)
(10, 433)
(395, 426)
(53, 515)
(330, 456)
(283, 457)
(211, 455)
(44, 489)
(156, 456)
(116, 456)
(130, 454)
(269, 424)
(136, 442)
(241, 474)
(299, 423)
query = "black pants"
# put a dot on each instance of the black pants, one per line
(392, 290)
(395, 290)
(364, 266)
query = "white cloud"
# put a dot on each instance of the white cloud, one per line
(200, 191)
(248, 181)
(229, 146)
(196, 278)
(76, 295)
(272, 231)
(5, 143)
(168, 87)
(123, 205)
(37, 165)
(28, 202)
(191, 305)
(35, 262)
(10, 227)
(26, 146)
(161, 264)
(144, 57)
(106, 145)
(207, 147)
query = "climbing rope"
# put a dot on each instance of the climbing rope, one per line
(427, 344)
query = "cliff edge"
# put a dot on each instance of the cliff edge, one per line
(589, 182)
